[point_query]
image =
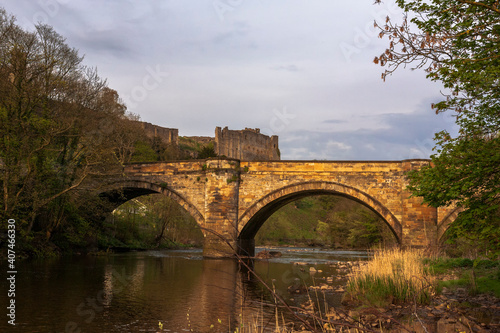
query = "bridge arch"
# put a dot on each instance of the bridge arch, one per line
(254, 217)
(445, 223)
(119, 193)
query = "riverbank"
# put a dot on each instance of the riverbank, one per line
(456, 308)
(464, 296)
(43, 249)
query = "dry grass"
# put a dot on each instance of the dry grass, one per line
(392, 276)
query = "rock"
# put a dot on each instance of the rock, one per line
(268, 254)
(325, 286)
(297, 289)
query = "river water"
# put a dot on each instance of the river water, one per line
(135, 292)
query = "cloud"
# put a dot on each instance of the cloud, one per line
(259, 57)
(405, 136)
(287, 68)
(337, 145)
(334, 121)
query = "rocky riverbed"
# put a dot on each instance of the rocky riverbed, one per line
(453, 310)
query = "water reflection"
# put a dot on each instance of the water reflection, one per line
(134, 292)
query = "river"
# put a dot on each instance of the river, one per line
(136, 291)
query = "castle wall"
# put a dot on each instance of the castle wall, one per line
(248, 144)
(167, 135)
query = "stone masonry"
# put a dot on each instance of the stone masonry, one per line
(166, 135)
(232, 198)
(248, 144)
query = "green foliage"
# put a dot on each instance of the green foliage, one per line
(442, 265)
(189, 144)
(325, 219)
(60, 127)
(207, 151)
(151, 221)
(193, 148)
(457, 43)
(232, 179)
(465, 173)
(381, 292)
(143, 152)
(478, 276)
(489, 284)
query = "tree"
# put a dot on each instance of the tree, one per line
(457, 42)
(207, 151)
(55, 133)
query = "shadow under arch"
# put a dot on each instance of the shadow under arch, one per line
(255, 216)
(121, 192)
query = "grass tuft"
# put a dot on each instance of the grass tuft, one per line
(392, 276)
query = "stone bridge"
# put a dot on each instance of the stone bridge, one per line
(234, 198)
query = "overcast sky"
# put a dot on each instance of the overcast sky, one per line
(299, 69)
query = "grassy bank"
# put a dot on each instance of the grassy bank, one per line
(399, 277)
(402, 291)
(480, 276)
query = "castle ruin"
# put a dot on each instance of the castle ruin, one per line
(248, 144)
(166, 135)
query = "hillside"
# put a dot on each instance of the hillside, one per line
(326, 220)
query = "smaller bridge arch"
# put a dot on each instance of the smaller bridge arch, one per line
(255, 216)
(121, 192)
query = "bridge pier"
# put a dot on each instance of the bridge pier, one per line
(246, 247)
(418, 220)
(216, 248)
(221, 208)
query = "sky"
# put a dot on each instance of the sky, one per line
(299, 69)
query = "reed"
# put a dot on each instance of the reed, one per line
(392, 276)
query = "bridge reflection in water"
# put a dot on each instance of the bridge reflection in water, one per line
(133, 292)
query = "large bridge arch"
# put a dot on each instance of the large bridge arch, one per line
(121, 192)
(254, 217)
